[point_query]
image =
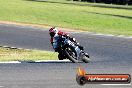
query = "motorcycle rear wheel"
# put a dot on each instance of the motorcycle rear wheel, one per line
(60, 57)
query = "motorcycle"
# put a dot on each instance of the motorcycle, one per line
(72, 51)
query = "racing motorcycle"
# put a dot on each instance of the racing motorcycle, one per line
(72, 51)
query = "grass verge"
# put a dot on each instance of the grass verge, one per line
(98, 18)
(7, 54)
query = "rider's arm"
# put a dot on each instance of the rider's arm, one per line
(51, 41)
(55, 43)
(60, 33)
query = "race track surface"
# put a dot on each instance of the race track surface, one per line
(54, 75)
(109, 54)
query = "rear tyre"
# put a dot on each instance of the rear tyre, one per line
(60, 57)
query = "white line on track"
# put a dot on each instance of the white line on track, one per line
(13, 47)
(39, 61)
(130, 37)
(60, 61)
(6, 46)
(116, 84)
(107, 35)
(99, 34)
(9, 62)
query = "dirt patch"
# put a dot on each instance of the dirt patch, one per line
(38, 25)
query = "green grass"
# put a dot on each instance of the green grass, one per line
(7, 54)
(98, 18)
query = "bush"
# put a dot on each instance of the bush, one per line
(90, 0)
(83, 0)
(108, 1)
(75, 0)
(129, 2)
(122, 2)
(119, 2)
(98, 1)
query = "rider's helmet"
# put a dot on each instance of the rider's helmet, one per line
(53, 31)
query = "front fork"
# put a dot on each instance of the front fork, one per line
(78, 51)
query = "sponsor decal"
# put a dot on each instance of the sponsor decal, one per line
(83, 78)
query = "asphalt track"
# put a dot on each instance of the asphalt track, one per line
(109, 54)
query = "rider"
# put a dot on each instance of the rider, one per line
(56, 35)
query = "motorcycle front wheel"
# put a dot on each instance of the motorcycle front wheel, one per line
(71, 54)
(86, 58)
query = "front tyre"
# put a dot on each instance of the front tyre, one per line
(86, 58)
(71, 54)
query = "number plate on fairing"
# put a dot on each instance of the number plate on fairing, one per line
(70, 43)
